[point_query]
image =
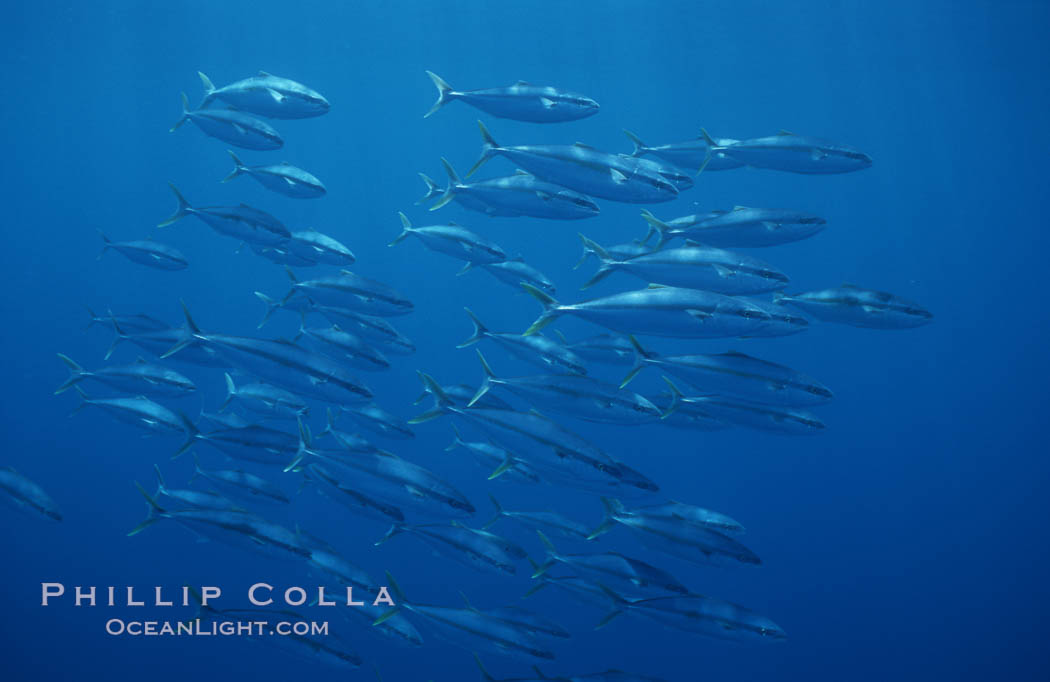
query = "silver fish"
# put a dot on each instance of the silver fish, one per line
(696, 153)
(267, 95)
(520, 102)
(232, 127)
(138, 376)
(147, 252)
(793, 153)
(859, 307)
(452, 240)
(740, 227)
(21, 493)
(283, 178)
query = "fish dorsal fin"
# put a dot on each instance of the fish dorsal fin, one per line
(581, 145)
(656, 286)
(263, 74)
(847, 285)
(736, 354)
(518, 171)
(523, 83)
(740, 208)
(783, 132)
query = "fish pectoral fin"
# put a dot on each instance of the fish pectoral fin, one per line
(871, 309)
(817, 154)
(277, 97)
(700, 315)
(771, 226)
(546, 196)
(548, 103)
(723, 271)
(239, 129)
(414, 491)
(617, 177)
(290, 181)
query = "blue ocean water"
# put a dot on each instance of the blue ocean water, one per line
(904, 542)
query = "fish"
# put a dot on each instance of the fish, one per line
(142, 412)
(232, 127)
(611, 568)
(607, 349)
(240, 484)
(740, 227)
(320, 248)
(493, 457)
(852, 305)
(693, 542)
(191, 499)
(452, 240)
(687, 416)
(349, 441)
(468, 628)
(582, 168)
(352, 292)
(283, 178)
(135, 323)
(793, 153)
(159, 341)
(581, 590)
(347, 347)
(253, 443)
(534, 349)
(368, 327)
(738, 375)
(782, 320)
(514, 271)
(519, 102)
(235, 528)
(658, 311)
(624, 251)
(518, 195)
(528, 622)
(147, 252)
(387, 477)
(699, 614)
(280, 255)
(478, 549)
(693, 266)
(267, 95)
(346, 494)
(549, 521)
(773, 418)
(138, 376)
(696, 153)
(692, 514)
(680, 179)
(282, 363)
(581, 397)
(240, 222)
(462, 394)
(228, 420)
(379, 421)
(21, 493)
(264, 399)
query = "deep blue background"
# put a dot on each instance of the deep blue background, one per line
(906, 542)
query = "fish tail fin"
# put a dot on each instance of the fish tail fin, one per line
(271, 306)
(83, 400)
(503, 468)
(708, 140)
(676, 399)
(154, 513)
(607, 261)
(488, 146)
(432, 188)
(191, 431)
(329, 422)
(195, 332)
(161, 488)
(484, 673)
(640, 356)
(238, 167)
(197, 471)
(398, 592)
(106, 243)
(120, 335)
(231, 391)
(406, 229)
(457, 438)
(608, 618)
(444, 93)
(639, 146)
(778, 296)
(612, 507)
(182, 209)
(497, 516)
(394, 530)
(655, 226)
(550, 311)
(209, 89)
(450, 188)
(479, 330)
(76, 373)
(93, 319)
(431, 386)
(486, 383)
(548, 546)
(185, 113)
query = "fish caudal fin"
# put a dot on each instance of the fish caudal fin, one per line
(484, 673)
(640, 356)
(656, 225)
(76, 373)
(406, 229)
(445, 93)
(612, 507)
(450, 188)
(479, 330)
(271, 306)
(209, 89)
(639, 146)
(152, 516)
(550, 309)
(676, 399)
(432, 188)
(486, 383)
(238, 167)
(607, 261)
(497, 516)
(231, 392)
(182, 210)
(442, 401)
(488, 147)
(185, 114)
